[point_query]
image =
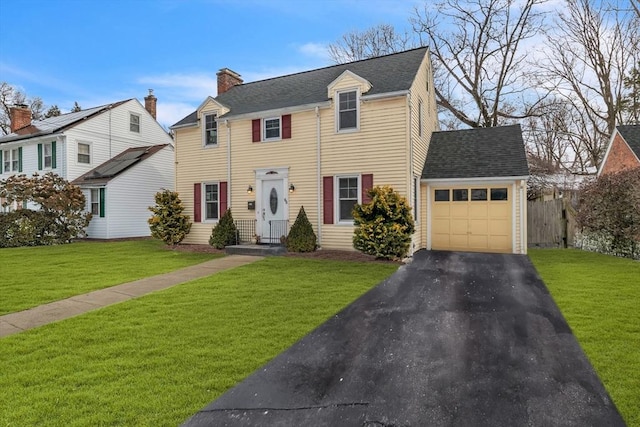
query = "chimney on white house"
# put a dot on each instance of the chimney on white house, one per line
(20, 116)
(227, 79)
(150, 102)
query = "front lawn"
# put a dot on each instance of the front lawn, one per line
(38, 275)
(599, 295)
(157, 360)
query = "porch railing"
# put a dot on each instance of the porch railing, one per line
(246, 231)
(278, 229)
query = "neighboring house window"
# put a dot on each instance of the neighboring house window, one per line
(271, 128)
(134, 123)
(84, 153)
(47, 155)
(211, 201)
(347, 197)
(210, 129)
(347, 110)
(97, 202)
(12, 160)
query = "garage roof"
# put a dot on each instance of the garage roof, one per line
(476, 153)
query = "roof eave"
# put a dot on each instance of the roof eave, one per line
(474, 179)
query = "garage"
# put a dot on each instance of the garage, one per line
(474, 182)
(473, 218)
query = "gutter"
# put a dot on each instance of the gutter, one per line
(396, 94)
(278, 111)
(318, 176)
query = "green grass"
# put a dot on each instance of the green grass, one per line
(599, 295)
(157, 360)
(38, 275)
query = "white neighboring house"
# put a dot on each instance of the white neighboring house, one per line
(73, 144)
(121, 190)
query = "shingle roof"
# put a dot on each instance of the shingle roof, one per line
(118, 164)
(57, 124)
(390, 73)
(476, 153)
(631, 134)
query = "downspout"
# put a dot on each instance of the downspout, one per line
(411, 180)
(523, 219)
(226, 123)
(109, 131)
(318, 176)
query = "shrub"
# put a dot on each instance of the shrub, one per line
(61, 216)
(301, 237)
(384, 225)
(168, 223)
(224, 233)
(609, 208)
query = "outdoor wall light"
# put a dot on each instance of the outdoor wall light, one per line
(249, 189)
(292, 188)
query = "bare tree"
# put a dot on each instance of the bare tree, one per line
(591, 50)
(9, 96)
(380, 40)
(479, 57)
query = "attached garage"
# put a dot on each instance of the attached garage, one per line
(476, 190)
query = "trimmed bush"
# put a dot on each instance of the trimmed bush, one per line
(224, 232)
(301, 237)
(384, 225)
(168, 223)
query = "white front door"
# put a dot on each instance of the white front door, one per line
(273, 211)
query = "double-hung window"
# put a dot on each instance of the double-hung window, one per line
(347, 110)
(271, 129)
(348, 190)
(211, 201)
(11, 160)
(134, 123)
(210, 130)
(47, 155)
(6, 157)
(95, 201)
(84, 153)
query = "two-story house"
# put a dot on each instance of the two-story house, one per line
(90, 144)
(320, 139)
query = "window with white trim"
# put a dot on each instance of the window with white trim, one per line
(271, 128)
(84, 153)
(95, 201)
(347, 110)
(211, 201)
(210, 129)
(47, 155)
(134, 123)
(11, 160)
(347, 196)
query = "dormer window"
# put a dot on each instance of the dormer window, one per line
(210, 129)
(347, 111)
(134, 123)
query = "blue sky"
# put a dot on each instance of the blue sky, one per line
(100, 51)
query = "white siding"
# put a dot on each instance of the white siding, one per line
(129, 195)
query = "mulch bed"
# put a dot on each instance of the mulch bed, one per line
(328, 254)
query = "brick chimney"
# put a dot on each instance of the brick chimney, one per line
(20, 116)
(150, 102)
(227, 79)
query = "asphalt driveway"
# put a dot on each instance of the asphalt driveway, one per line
(451, 339)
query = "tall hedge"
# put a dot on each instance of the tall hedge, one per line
(384, 225)
(609, 210)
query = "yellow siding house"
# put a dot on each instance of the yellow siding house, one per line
(317, 139)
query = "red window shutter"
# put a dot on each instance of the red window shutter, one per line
(197, 203)
(367, 184)
(223, 197)
(286, 126)
(255, 130)
(327, 199)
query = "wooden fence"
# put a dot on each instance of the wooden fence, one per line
(550, 224)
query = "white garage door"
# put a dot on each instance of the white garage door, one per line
(474, 218)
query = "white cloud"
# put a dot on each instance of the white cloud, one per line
(315, 50)
(185, 87)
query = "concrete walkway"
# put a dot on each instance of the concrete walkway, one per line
(14, 323)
